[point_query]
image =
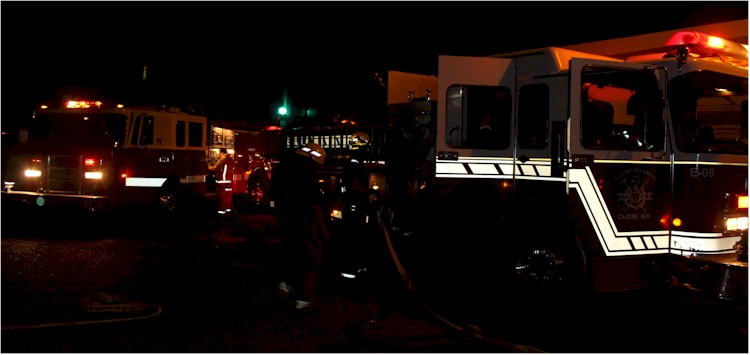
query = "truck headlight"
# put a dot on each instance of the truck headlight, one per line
(735, 215)
(32, 173)
(733, 224)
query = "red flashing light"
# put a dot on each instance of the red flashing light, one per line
(695, 38)
(704, 44)
(664, 221)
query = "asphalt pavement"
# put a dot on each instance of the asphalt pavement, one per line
(213, 291)
(145, 287)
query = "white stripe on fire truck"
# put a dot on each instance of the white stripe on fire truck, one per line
(688, 243)
(144, 182)
(495, 169)
(593, 202)
(617, 243)
(676, 162)
(613, 241)
(157, 182)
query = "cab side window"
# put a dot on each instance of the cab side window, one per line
(143, 130)
(621, 109)
(136, 129)
(195, 134)
(180, 133)
(478, 117)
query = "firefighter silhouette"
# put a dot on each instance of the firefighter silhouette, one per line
(304, 226)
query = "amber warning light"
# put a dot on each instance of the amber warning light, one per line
(742, 202)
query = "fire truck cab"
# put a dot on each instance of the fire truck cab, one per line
(562, 170)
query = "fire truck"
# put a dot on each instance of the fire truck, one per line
(102, 156)
(557, 172)
(254, 148)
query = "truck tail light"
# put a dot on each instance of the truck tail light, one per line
(35, 168)
(93, 168)
(32, 173)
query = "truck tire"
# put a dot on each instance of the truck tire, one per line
(169, 195)
(549, 267)
(258, 189)
(551, 272)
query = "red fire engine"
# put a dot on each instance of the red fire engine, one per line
(101, 156)
(254, 148)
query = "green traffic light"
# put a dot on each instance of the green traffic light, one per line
(282, 111)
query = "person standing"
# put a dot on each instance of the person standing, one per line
(304, 225)
(223, 169)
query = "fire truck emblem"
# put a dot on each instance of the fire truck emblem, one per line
(635, 193)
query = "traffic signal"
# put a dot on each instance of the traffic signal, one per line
(284, 112)
(282, 109)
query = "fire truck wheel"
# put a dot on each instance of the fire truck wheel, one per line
(169, 192)
(541, 267)
(551, 270)
(257, 191)
(168, 203)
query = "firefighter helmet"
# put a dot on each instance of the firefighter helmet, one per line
(313, 151)
(358, 140)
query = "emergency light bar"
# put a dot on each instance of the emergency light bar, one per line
(83, 104)
(706, 45)
(75, 104)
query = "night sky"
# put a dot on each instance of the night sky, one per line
(233, 59)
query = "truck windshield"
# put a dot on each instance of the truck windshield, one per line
(70, 131)
(709, 112)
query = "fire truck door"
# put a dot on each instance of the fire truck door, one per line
(619, 171)
(477, 98)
